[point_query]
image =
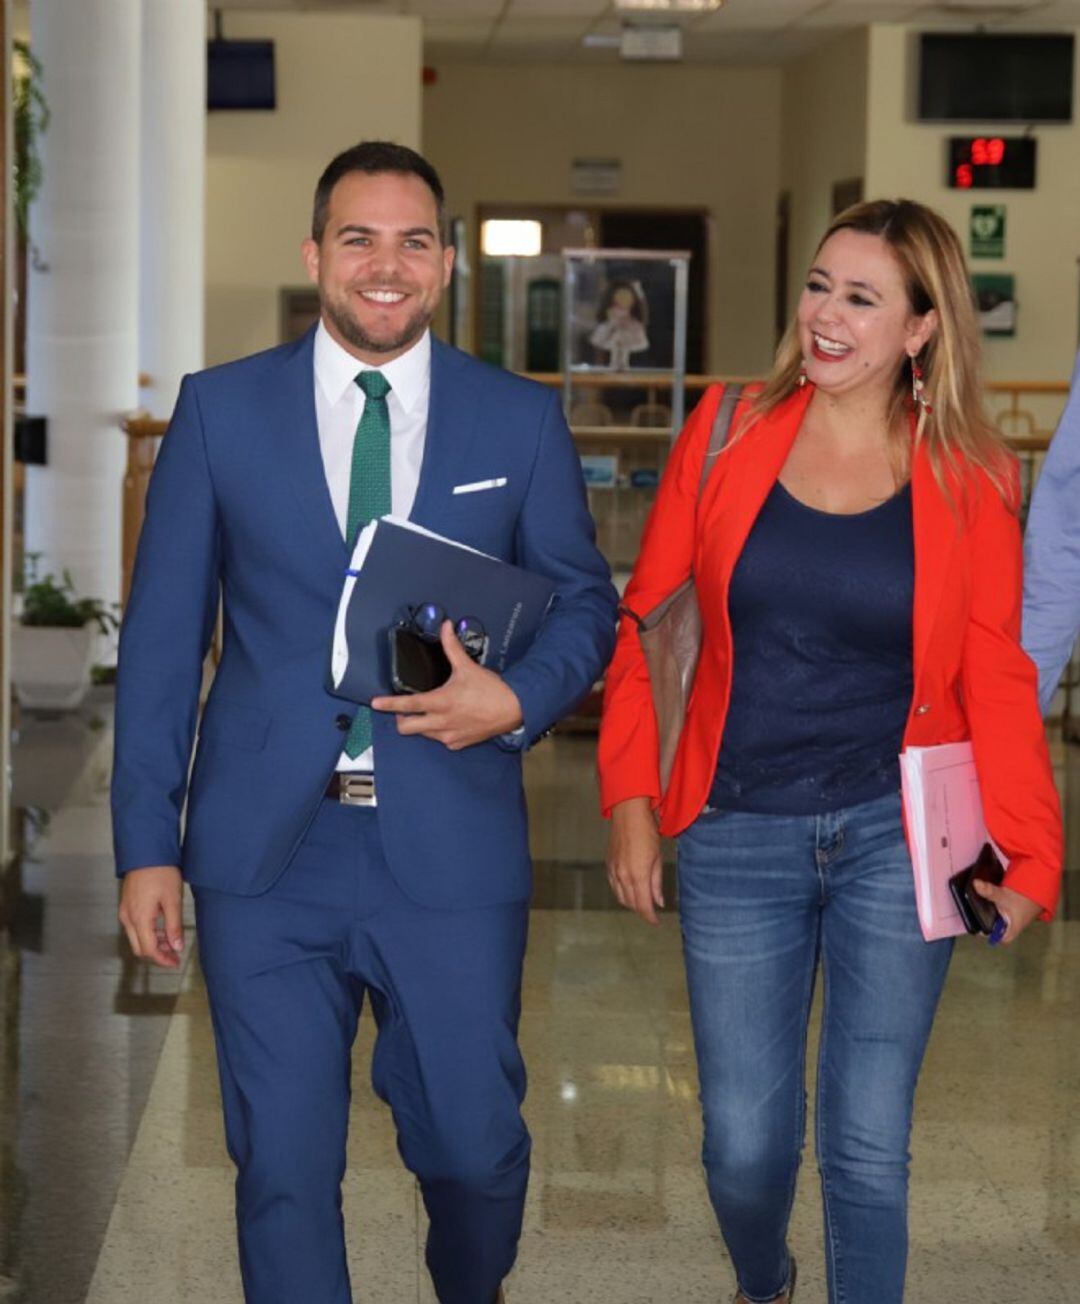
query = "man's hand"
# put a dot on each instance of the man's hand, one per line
(150, 910)
(635, 867)
(472, 706)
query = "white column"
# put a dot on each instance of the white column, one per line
(82, 303)
(172, 187)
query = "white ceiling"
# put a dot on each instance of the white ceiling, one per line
(741, 31)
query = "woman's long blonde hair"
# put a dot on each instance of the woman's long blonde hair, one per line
(957, 431)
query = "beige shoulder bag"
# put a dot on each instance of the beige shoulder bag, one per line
(671, 633)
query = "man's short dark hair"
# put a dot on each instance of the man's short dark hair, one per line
(374, 157)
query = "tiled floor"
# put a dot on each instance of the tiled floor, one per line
(115, 1186)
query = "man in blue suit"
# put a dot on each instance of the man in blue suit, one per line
(335, 853)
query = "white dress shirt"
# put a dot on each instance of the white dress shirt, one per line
(339, 405)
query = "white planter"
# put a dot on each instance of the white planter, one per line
(50, 667)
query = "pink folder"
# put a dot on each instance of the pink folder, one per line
(946, 829)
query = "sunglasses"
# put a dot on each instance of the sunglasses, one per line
(418, 663)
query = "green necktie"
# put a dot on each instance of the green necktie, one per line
(369, 498)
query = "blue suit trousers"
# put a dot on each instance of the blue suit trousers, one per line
(286, 973)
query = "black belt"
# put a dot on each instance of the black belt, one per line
(352, 788)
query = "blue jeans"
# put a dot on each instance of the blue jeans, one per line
(763, 899)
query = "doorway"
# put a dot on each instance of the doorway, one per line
(517, 301)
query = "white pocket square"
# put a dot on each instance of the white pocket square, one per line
(478, 485)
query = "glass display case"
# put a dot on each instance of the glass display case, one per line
(624, 372)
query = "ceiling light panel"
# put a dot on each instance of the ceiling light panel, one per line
(453, 10)
(756, 15)
(583, 9)
(876, 8)
(226, 5)
(845, 13)
(368, 8)
(667, 6)
(672, 8)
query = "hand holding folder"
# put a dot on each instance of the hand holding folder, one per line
(397, 566)
(946, 828)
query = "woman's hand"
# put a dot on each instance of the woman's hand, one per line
(634, 865)
(1018, 911)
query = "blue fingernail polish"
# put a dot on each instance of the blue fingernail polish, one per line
(998, 931)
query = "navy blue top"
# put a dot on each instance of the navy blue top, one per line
(821, 614)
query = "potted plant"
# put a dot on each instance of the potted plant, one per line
(54, 640)
(30, 119)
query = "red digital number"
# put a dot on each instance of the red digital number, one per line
(964, 178)
(987, 152)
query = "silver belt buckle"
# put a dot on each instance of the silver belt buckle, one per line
(356, 789)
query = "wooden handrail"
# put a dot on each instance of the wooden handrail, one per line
(144, 427)
(142, 433)
(1022, 431)
(647, 379)
(1027, 386)
(18, 380)
(636, 380)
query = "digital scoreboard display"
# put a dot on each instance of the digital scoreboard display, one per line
(992, 162)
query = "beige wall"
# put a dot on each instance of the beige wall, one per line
(824, 141)
(1043, 225)
(688, 137)
(340, 78)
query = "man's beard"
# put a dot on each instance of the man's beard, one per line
(350, 329)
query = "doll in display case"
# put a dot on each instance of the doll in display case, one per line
(622, 319)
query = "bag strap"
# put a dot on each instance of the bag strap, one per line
(721, 429)
(717, 440)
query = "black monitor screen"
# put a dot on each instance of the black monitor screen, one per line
(240, 75)
(991, 78)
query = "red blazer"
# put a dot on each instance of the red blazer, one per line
(972, 680)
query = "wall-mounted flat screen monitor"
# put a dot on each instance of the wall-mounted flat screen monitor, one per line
(976, 77)
(240, 75)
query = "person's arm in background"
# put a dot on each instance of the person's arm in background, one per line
(1052, 553)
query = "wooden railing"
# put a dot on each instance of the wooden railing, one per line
(143, 434)
(1027, 425)
(1009, 401)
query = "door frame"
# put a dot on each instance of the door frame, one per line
(593, 212)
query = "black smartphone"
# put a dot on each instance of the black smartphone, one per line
(978, 914)
(417, 663)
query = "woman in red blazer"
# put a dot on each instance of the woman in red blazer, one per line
(857, 559)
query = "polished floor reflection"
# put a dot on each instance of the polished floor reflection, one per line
(115, 1186)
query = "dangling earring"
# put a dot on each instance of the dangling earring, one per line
(802, 376)
(918, 389)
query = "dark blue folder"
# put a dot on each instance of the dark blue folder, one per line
(405, 568)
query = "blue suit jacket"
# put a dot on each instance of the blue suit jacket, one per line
(1052, 552)
(239, 506)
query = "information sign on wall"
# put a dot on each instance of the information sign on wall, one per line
(595, 176)
(996, 298)
(988, 231)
